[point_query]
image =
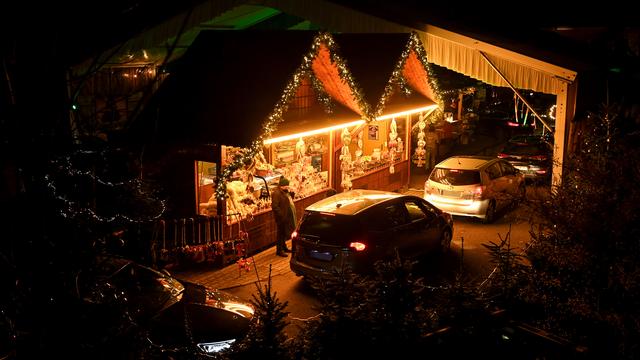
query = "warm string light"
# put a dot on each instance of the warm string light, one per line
(73, 209)
(345, 74)
(416, 44)
(323, 96)
(276, 116)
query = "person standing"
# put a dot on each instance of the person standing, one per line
(432, 148)
(284, 213)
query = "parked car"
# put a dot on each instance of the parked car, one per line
(176, 314)
(477, 186)
(532, 157)
(532, 139)
(359, 227)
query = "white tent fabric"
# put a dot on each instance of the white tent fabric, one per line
(470, 62)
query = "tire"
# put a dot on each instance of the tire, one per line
(445, 240)
(490, 214)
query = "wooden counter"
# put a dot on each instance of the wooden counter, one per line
(381, 179)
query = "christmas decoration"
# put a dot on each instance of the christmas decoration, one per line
(346, 164)
(420, 152)
(276, 116)
(393, 145)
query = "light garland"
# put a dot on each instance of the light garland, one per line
(416, 44)
(323, 96)
(72, 209)
(276, 116)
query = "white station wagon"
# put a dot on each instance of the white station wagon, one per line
(475, 186)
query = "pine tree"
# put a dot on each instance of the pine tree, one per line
(266, 338)
(586, 258)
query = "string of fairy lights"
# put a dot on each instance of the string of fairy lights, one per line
(325, 39)
(322, 95)
(72, 209)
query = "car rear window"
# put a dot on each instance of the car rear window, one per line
(330, 228)
(455, 177)
(520, 149)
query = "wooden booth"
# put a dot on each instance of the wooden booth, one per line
(261, 122)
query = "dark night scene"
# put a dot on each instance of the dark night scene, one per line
(318, 179)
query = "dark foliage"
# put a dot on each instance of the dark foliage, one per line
(585, 280)
(341, 330)
(266, 338)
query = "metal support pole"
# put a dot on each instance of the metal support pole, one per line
(516, 91)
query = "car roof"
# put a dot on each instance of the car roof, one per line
(352, 202)
(466, 162)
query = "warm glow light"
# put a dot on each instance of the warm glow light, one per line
(407, 112)
(240, 309)
(358, 246)
(313, 132)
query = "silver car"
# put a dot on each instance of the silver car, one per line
(475, 186)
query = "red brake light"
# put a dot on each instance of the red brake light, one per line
(502, 156)
(357, 246)
(477, 192)
(512, 124)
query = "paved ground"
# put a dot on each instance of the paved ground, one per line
(237, 274)
(258, 265)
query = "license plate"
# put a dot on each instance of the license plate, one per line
(320, 255)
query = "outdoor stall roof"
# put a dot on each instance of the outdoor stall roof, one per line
(230, 86)
(227, 85)
(378, 61)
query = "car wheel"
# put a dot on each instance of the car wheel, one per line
(445, 240)
(490, 214)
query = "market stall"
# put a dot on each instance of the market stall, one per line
(376, 155)
(322, 132)
(232, 204)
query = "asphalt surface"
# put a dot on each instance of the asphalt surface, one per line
(256, 268)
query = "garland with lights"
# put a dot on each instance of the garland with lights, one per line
(323, 96)
(72, 209)
(416, 44)
(276, 116)
(345, 74)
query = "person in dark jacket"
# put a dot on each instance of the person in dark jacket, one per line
(284, 213)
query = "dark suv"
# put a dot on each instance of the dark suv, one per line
(532, 158)
(359, 227)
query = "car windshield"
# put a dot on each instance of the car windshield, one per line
(455, 177)
(147, 288)
(333, 229)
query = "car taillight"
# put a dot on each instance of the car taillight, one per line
(512, 124)
(477, 192)
(357, 246)
(541, 171)
(428, 190)
(502, 156)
